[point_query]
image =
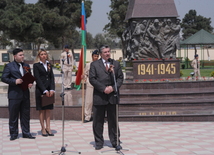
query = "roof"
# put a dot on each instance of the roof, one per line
(151, 9)
(201, 37)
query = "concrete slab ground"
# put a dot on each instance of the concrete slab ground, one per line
(140, 138)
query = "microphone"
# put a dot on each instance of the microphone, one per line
(111, 65)
(111, 61)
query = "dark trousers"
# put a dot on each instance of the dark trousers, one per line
(19, 108)
(98, 122)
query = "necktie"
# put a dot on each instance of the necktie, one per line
(67, 59)
(106, 66)
(21, 69)
(197, 63)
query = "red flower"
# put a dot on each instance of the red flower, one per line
(26, 68)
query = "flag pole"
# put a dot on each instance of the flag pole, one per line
(83, 53)
(83, 86)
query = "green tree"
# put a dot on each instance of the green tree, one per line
(99, 40)
(62, 17)
(17, 20)
(4, 41)
(193, 23)
(46, 20)
(117, 15)
(89, 40)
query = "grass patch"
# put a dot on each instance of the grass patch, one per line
(1, 70)
(1, 67)
(204, 72)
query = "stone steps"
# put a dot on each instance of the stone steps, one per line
(167, 102)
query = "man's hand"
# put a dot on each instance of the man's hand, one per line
(108, 90)
(47, 93)
(82, 77)
(51, 93)
(19, 81)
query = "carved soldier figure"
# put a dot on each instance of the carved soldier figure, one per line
(126, 36)
(145, 50)
(154, 33)
(172, 39)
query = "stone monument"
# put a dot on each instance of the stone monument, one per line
(152, 30)
(152, 33)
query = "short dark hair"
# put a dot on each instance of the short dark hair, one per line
(17, 50)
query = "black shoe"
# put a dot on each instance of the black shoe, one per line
(117, 147)
(49, 134)
(44, 135)
(13, 138)
(86, 121)
(29, 136)
(98, 147)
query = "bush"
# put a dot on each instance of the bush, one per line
(183, 66)
(212, 74)
(58, 67)
(181, 74)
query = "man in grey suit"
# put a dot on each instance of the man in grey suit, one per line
(18, 99)
(101, 78)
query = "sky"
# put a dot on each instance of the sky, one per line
(99, 18)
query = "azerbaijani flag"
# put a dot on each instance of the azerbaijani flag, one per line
(83, 50)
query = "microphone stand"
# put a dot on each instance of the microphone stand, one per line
(118, 148)
(63, 148)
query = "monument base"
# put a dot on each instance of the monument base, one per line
(151, 101)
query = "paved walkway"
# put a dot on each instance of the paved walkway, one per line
(141, 138)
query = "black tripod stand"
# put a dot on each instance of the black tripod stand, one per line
(63, 148)
(118, 148)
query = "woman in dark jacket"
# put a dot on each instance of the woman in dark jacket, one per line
(44, 86)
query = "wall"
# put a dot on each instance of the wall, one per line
(55, 54)
(202, 53)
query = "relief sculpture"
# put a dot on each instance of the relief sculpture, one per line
(152, 38)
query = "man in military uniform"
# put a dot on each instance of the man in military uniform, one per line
(89, 89)
(196, 66)
(67, 61)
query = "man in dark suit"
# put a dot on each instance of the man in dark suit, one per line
(101, 78)
(18, 99)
